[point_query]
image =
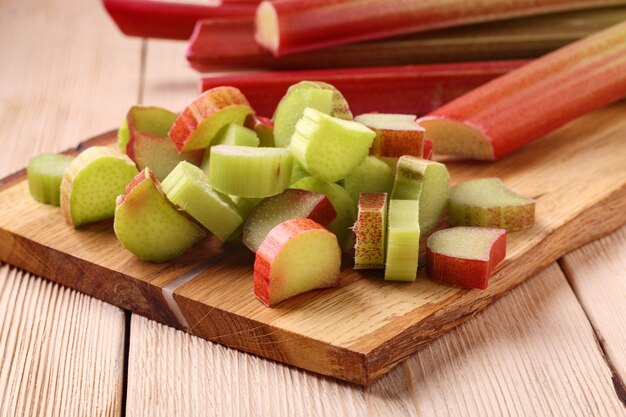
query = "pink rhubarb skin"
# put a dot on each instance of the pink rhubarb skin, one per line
(517, 108)
(369, 230)
(466, 273)
(417, 89)
(228, 43)
(203, 107)
(161, 19)
(270, 249)
(303, 25)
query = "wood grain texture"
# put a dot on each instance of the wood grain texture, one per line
(61, 352)
(66, 74)
(597, 273)
(532, 353)
(349, 333)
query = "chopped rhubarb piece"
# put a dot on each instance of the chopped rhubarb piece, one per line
(417, 89)
(465, 256)
(290, 204)
(288, 26)
(297, 256)
(197, 125)
(403, 240)
(513, 110)
(371, 230)
(396, 134)
(487, 202)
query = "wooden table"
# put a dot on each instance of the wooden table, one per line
(556, 345)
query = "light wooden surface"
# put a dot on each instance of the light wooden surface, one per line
(32, 121)
(597, 273)
(61, 352)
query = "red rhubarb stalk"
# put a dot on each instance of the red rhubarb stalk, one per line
(288, 26)
(158, 19)
(413, 89)
(228, 43)
(515, 109)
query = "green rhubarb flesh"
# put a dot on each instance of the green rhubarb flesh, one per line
(149, 226)
(340, 108)
(372, 176)
(403, 239)
(91, 183)
(464, 242)
(123, 135)
(298, 172)
(329, 148)
(45, 173)
(231, 134)
(426, 181)
(153, 120)
(488, 202)
(188, 187)
(249, 172)
(159, 154)
(291, 108)
(342, 203)
(371, 231)
(290, 204)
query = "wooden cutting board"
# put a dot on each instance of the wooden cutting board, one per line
(358, 331)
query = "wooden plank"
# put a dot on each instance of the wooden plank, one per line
(532, 353)
(597, 273)
(61, 352)
(66, 74)
(350, 334)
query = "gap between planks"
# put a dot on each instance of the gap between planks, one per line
(597, 275)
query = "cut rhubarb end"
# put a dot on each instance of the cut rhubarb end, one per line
(149, 225)
(536, 99)
(450, 137)
(290, 204)
(465, 256)
(297, 256)
(92, 182)
(487, 202)
(266, 21)
(45, 173)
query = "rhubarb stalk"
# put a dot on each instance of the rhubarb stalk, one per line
(288, 26)
(168, 20)
(414, 89)
(515, 109)
(228, 43)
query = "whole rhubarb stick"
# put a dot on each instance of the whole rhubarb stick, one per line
(158, 19)
(288, 26)
(517, 108)
(413, 89)
(228, 43)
